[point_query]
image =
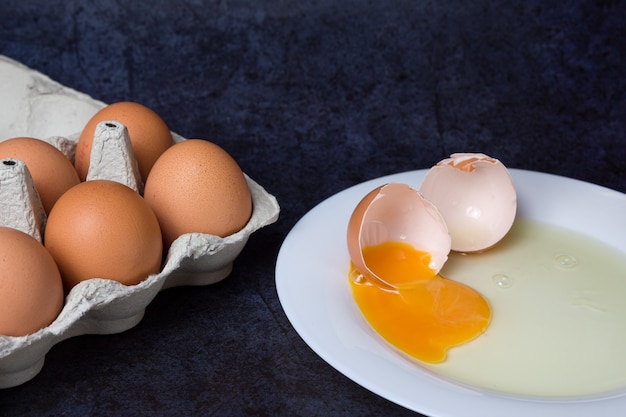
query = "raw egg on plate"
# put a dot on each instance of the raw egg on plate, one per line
(398, 242)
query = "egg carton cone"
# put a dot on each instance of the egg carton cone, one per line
(31, 104)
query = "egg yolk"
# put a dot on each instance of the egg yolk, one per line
(427, 314)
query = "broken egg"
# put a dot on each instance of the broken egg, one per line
(475, 195)
(398, 242)
(397, 213)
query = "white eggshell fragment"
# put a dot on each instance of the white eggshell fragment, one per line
(476, 196)
(397, 212)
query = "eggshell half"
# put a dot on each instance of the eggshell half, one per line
(476, 196)
(397, 212)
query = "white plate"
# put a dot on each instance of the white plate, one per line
(312, 287)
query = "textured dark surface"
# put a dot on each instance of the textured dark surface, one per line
(310, 98)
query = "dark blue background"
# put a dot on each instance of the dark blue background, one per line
(310, 98)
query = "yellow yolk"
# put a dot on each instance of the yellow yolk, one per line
(427, 314)
(398, 263)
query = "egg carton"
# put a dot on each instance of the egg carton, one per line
(34, 105)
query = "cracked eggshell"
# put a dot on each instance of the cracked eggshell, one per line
(397, 212)
(476, 197)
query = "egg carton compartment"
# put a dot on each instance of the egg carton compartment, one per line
(32, 104)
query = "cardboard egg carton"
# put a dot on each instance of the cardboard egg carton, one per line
(31, 104)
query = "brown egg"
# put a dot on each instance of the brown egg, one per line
(149, 135)
(103, 229)
(52, 172)
(31, 292)
(196, 186)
